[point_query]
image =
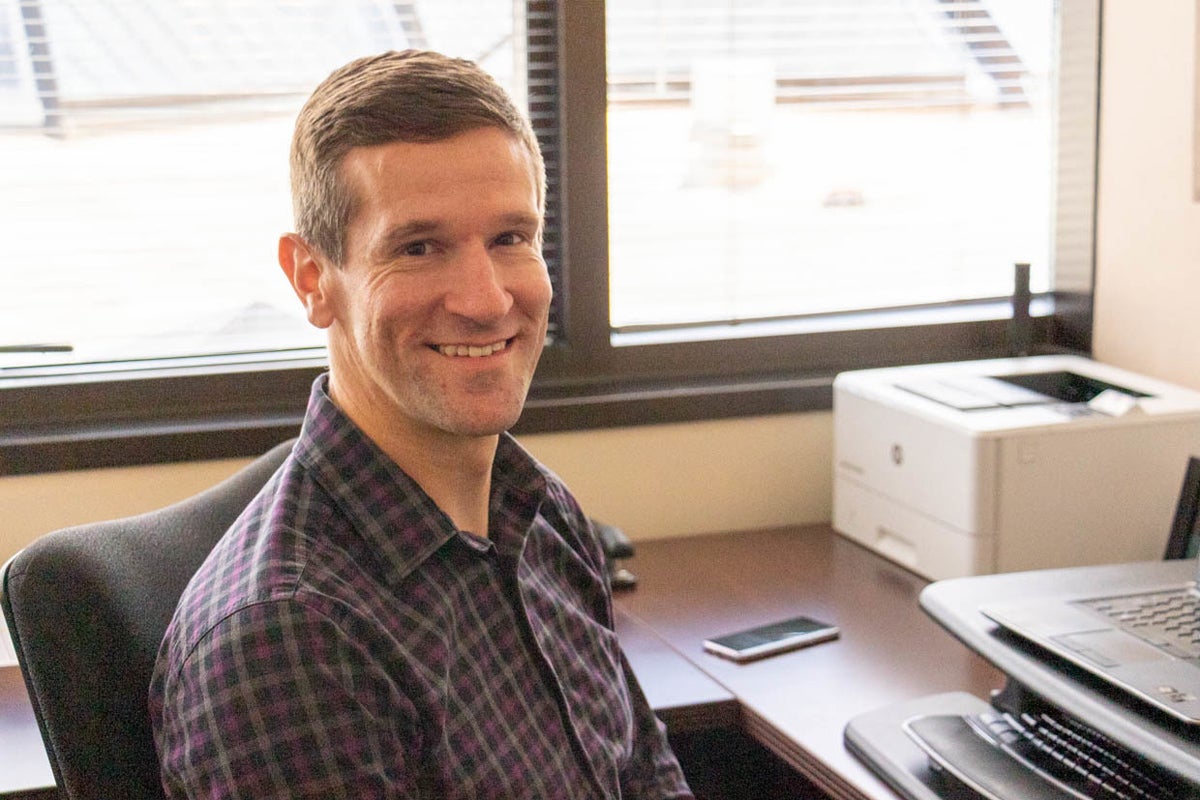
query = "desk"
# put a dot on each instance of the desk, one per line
(795, 704)
(24, 770)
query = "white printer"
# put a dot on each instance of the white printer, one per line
(1010, 464)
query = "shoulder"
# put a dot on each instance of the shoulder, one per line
(270, 554)
(276, 636)
(275, 658)
(560, 513)
(519, 468)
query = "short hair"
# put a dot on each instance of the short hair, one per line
(409, 96)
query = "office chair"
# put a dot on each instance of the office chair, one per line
(87, 608)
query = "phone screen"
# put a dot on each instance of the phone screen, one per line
(775, 637)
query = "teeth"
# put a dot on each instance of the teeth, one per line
(471, 351)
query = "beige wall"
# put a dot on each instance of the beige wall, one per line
(654, 482)
(34, 504)
(675, 479)
(1148, 242)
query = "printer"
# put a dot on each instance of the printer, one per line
(1009, 464)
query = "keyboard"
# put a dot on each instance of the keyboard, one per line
(1169, 620)
(1039, 755)
(1077, 756)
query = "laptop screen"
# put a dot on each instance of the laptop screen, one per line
(1185, 530)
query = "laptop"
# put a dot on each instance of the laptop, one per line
(1144, 641)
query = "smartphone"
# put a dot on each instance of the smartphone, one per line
(766, 640)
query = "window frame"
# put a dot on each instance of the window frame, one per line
(594, 379)
(237, 406)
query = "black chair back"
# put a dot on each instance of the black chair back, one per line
(87, 608)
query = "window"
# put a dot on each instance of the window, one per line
(701, 287)
(777, 158)
(746, 197)
(144, 173)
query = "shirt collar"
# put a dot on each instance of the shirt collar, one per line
(399, 522)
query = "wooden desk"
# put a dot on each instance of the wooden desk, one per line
(24, 770)
(797, 704)
(685, 698)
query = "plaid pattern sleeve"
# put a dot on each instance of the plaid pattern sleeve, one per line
(653, 771)
(278, 702)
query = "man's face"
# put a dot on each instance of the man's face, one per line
(437, 317)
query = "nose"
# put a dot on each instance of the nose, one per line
(478, 291)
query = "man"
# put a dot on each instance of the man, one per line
(413, 606)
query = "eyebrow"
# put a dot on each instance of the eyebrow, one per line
(401, 233)
(521, 219)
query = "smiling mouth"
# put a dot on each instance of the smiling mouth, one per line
(472, 351)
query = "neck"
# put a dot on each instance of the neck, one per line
(457, 476)
(455, 470)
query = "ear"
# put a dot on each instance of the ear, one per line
(306, 270)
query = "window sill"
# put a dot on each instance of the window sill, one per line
(133, 442)
(186, 410)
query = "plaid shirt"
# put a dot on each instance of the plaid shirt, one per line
(345, 640)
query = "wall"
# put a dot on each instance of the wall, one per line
(1148, 243)
(676, 479)
(654, 482)
(34, 504)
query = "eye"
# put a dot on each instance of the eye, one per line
(421, 248)
(510, 238)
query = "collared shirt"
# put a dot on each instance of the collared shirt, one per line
(344, 639)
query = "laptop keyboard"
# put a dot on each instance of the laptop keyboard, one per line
(1169, 620)
(1076, 756)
